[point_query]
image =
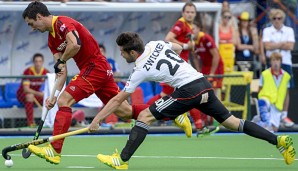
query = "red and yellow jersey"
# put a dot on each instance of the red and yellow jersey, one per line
(204, 43)
(89, 51)
(183, 30)
(33, 83)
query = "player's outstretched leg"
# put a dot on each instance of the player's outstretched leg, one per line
(113, 161)
(183, 122)
(47, 152)
(284, 145)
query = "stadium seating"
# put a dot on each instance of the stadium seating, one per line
(10, 94)
(157, 89)
(3, 103)
(147, 90)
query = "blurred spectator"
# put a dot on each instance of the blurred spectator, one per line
(262, 56)
(280, 38)
(247, 46)
(112, 62)
(227, 41)
(274, 83)
(29, 91)
(207, 61)
(233, 20)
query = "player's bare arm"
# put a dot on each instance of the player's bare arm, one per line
(215, 60)
(73, 45)
(72, 48)
(109, 108)
(171, 37)
(196, 62)
(177, 48)
(62, 78)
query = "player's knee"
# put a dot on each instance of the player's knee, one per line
(232, 123)
(29, 97)
(146, 116)
(65, 101)
(124, 111)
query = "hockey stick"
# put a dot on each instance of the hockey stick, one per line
(26, 153)
(39, 141)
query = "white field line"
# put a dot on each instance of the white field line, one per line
(79, 167)
(180, 157)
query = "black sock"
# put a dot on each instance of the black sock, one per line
(257, 131)
(136, 137)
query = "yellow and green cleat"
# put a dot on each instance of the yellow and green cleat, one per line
(47, 152)
(284, 145)
(113, 161)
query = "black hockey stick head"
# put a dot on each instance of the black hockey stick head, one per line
(26, 153)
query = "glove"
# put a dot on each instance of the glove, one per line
(57, 69)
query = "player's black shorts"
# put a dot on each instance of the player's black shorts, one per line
(196, 94)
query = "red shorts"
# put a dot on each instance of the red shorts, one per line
(166, 88)
(93, 79)
(216, 82)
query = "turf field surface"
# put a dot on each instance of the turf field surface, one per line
(220, 152)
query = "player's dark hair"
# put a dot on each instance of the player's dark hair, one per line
(100, 45)
(188, 4)
(130, 41)
(36, 55)
(197, 23)
(35, 8)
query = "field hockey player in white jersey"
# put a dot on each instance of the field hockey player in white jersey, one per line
(159, 61)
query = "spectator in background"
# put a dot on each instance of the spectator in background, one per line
(262, 55)
(227, 41)
(233, 20)
(29, 91)
(274, 83)
(207, 61)
(247, 44)
(280, 38)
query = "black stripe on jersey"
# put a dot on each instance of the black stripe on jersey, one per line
(77, 37)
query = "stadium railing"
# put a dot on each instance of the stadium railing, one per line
(235, 95)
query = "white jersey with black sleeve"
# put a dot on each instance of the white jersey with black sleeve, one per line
(160, 63)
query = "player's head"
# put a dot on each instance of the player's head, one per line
(189, 12)
(102, 49)
(131, 46)
(38, 60)
(275, 60)
(277, 18)
(196, 28)
(34, 15)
